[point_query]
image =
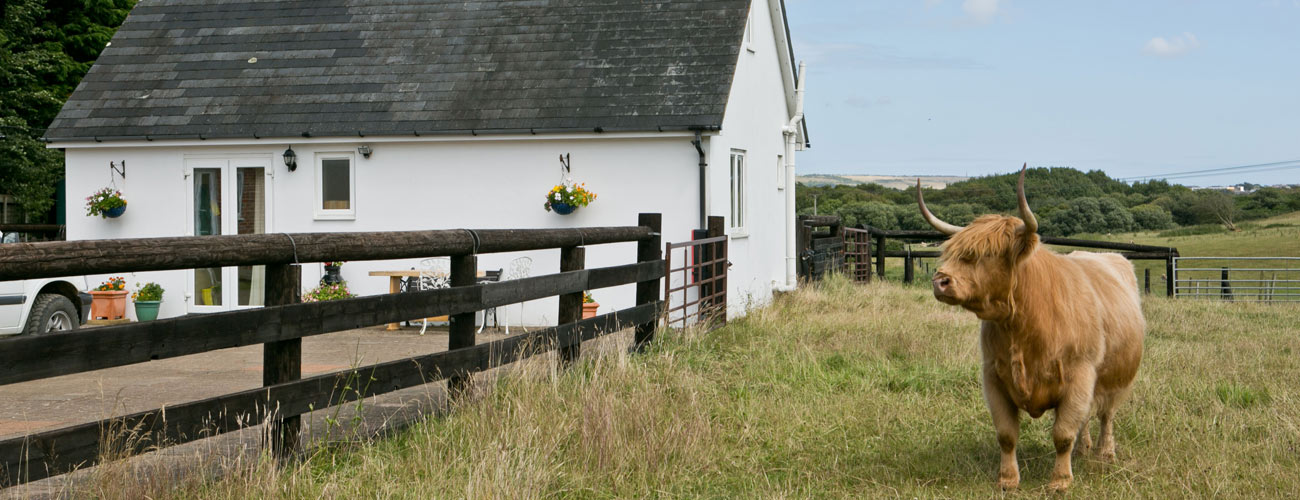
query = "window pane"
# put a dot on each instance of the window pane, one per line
(251, 201)
(207, 201)
(336, 193)
(207, 286)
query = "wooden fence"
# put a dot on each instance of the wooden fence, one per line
(864, 241)
(283, 322)
(820, 241)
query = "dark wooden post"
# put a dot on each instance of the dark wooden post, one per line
(460, 332)
(718, 227)
(571, 259)
(880, 256)
(1146, 278)
(908, 272)
(1170, 278)
(282, 360)
(647, 292)
(866, 240)
(1225, 290)
(803, 240)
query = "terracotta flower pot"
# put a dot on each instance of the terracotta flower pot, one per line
(589, 310)
(108, 304)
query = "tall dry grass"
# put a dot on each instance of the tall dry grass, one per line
(836, 391)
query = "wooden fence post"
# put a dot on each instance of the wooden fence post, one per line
(880, 256)
(1225, 290)
(718, 251)
(571, 259)
(460, 331)
(1146, 278)
(908, 271)
(867, 241)
(1170, 277)
(282, 360)
(647, 292)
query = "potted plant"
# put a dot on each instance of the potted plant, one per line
(564, 198)
(332, 275)
(106, 203)
(328, 291)
(589, 306)
(109, 299)
(147, 298)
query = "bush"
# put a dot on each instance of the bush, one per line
(1152, 217)
(1082, 215)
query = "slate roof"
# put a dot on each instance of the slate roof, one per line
(185, 68)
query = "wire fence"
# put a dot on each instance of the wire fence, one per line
(1238, 279)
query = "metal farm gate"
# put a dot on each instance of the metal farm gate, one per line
(695, 281)
(1238, 279)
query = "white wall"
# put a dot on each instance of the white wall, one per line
(414, 186)
(756, 113)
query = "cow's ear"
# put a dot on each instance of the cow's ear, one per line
(1025, 245)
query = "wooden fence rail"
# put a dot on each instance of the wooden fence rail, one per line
(863, 240)
(283, 322)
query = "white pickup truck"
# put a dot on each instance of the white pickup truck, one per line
(38, 306)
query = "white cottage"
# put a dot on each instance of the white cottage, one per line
(416, 114)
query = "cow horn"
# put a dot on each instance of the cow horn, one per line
(942, 226)
(1031, 222)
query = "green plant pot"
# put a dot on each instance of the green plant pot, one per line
(147, 310)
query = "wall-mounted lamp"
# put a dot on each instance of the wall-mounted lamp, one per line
(290, 159)
(365, 151)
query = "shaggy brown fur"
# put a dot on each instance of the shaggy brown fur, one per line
(1059, 332)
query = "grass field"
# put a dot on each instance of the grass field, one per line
(838, 391)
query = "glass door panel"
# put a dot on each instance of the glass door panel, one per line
(250, 199)
(207, 221)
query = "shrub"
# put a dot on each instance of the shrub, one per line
(324, 292)
(1152, 217)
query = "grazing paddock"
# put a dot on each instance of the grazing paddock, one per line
(840, 391)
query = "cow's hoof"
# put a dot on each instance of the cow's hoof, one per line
(1106, 455)
(1060, 484)
(1008, 483)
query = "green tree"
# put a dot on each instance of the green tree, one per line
(1152, 217)
(46, 47)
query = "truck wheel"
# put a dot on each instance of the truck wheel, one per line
(51, 313)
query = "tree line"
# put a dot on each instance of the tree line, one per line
(1065, 200)
(46, 47)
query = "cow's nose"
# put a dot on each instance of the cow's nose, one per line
(941, 284)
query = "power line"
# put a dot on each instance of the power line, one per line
(1210, 171)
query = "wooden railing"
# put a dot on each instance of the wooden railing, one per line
(820, 243)
(1130, 251)
(283, 322)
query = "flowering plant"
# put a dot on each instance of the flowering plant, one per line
(335, 263)
(586, 298)
(112, 285)
(575, 195)
(326, 292)
(104, 200)
(150, 292)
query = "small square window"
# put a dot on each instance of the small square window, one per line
(335, 186)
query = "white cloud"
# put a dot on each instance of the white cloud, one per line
(981, 10)
(1173, 46)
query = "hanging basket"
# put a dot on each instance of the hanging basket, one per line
(562, 208)
(114, 213)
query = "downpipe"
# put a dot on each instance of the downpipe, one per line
(791, 132)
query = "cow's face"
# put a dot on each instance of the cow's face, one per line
(977, 266)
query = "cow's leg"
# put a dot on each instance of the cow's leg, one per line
(1084, 442)
(1071, 415)
(1006, 421)
(1106, 415)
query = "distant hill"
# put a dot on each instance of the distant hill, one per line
(890, 181)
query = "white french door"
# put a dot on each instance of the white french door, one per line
(228, 195)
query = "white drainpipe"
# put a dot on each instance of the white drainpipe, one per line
(791, 132)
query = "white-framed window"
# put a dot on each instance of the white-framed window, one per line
(739, 194)
(780, 172)
(336, 186)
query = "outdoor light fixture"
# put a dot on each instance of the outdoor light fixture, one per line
(365, 151)
(290, 159)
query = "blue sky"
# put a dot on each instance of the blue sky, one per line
(972, 87)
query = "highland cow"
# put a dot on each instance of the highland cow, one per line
(1057, 332)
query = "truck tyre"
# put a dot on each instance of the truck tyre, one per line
(51, 313)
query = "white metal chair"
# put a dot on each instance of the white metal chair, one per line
(434, 273)
(518, 268)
